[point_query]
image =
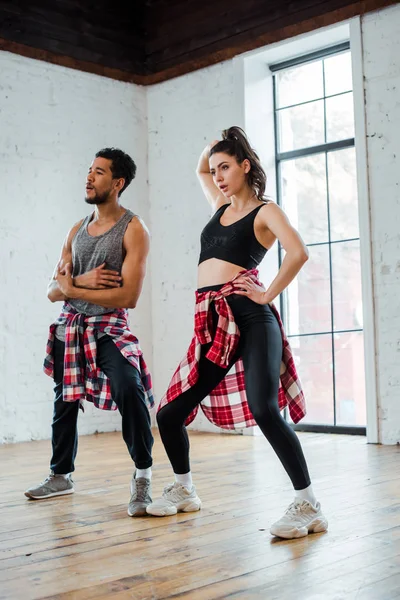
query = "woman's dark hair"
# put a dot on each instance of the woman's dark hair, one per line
(122, 165)
(235, 143)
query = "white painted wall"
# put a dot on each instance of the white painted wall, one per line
(52, 121)
(381, 53)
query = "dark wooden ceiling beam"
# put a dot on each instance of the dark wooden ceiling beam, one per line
(192, 37)
(197, 34)
(216, 52)
(71, 63)
(149, 41)
(90, 33)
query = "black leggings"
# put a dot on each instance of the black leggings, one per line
(260, 348)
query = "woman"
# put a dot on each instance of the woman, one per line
(235, 325)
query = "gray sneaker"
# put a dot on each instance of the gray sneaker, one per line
(53, 485)
(141, 496)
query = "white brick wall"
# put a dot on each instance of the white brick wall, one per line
(381, 43)
(52, 121)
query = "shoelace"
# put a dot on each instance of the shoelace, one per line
(48, 479)
(172, 492)
(295, 507)
(142, 488)
(51, 476)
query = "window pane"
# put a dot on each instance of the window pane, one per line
(303, 193)
(338, 77)
(350, 379)
(346, 281)
(343, 201)
(308, 303)
(339, 118)
(313, 359)
(300, 84)
(301, 126)
(319, 194)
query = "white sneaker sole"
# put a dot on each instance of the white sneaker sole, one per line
(319, 525)
(167, 511)
(63, 493)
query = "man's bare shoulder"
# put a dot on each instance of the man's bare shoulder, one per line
(71, 233)
(137, 235)
(137, 227)
(75, 227)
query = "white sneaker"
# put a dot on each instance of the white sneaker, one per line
(300, 519)
(175, 498)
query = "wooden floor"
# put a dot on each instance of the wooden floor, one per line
(84, 546)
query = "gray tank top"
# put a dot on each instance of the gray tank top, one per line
(89, 252)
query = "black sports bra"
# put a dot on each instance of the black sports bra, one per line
(235, 243)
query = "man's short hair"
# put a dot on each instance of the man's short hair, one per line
(122, 165)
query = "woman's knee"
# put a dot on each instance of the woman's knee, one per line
(164, 418)
(266, 416)
(170, 419)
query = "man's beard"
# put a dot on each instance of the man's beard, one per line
(97, 199)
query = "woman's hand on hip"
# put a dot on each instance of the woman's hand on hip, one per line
(245, 286)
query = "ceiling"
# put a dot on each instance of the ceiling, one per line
(148, 41)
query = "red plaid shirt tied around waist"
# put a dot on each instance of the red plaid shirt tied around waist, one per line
(227, 405)
(82, 377)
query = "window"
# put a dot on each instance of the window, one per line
(317, 188)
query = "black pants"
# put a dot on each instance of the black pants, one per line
(260, 348)
(128, 394)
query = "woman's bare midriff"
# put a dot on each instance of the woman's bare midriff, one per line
(215, 271)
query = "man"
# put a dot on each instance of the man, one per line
(90, 352)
